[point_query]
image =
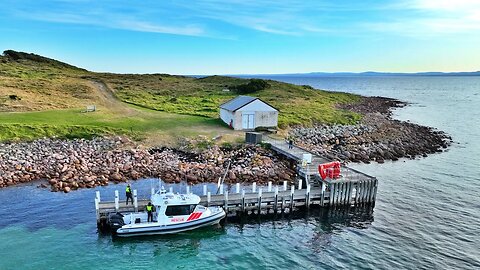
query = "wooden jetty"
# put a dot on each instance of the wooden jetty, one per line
(352, 189)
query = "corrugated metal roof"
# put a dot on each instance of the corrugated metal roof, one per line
(237, 103)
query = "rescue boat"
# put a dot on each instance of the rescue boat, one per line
(172, 213)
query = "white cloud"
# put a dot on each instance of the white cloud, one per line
(424, 18)
(211, 18)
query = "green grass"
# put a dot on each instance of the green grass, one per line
(298, 105)
(73, 123)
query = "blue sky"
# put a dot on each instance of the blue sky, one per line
(247, 36)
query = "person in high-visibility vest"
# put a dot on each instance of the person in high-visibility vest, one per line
(150, 209)
(128, 194)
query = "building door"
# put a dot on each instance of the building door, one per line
(248, 121)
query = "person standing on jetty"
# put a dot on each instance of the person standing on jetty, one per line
(150, 208)
(128, 194)
(290, 143)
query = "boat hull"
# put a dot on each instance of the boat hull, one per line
(156, 229)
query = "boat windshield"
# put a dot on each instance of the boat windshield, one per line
(179, 210)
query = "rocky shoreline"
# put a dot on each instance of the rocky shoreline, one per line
(377, 137)
(72, 164)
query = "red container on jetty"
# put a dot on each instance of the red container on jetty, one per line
(330, 170)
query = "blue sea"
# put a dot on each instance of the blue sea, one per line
(427, 214)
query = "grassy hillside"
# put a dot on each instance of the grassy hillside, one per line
(202, 96)
(44, 97)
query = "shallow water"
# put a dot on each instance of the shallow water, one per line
(427, 214)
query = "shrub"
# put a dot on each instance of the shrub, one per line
(252, 86)
(14, 97)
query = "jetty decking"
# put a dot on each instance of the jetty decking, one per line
(352, 189)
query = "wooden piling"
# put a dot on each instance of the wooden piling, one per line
(349, 193)
(225, 202)
(259, 200)
(357, 193)
(341, 193)
(373, 189)
(307, 196)
(275, 204)
(322, 195)
(374, 197)
(332, 194)
(243, 200)
(370, 189)
(292, 191)
(97, 208)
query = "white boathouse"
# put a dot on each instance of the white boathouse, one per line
(248, 113)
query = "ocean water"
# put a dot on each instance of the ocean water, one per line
(427, 214)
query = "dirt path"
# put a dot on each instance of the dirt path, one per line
(108, 99)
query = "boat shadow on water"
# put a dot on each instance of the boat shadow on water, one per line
(211, 232)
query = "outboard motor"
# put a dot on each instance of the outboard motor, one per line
(115, 221)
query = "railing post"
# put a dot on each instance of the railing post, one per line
(188, 189)
(152, 191)
(209, 198)
(254, 187)
(221, 188)
(117, 206)
(269, 186)
(97, 209)
(97, 195)
(300, 181)
(204, 190)
(284, 185)
(237, 188)
(135, 200)
(170, 189)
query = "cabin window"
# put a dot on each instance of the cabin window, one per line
(179, 210)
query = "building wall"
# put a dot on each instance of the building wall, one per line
(227, 116)
(265, 116)
(266, 119)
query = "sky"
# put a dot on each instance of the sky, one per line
(205, 37)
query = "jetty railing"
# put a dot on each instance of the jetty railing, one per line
(253, 199)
